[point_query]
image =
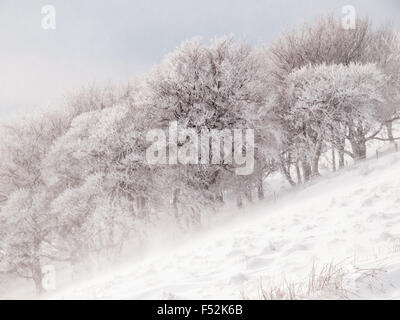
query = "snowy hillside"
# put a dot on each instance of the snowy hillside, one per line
(262, 165)
(346, 225)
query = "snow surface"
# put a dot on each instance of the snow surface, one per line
(349, 218)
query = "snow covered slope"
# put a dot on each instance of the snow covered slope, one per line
(350, 220)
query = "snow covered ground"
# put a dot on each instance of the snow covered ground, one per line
(349, 220)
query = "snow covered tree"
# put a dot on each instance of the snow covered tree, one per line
(211, 87)
(24, 142)
(29, 241)
(107, 141)
(384, 50)
(89, 221)
(327, 42)
(29, 164)
(332, 103)
(98, 166)
(323, 42)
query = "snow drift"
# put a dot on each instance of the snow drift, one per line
(349, 220)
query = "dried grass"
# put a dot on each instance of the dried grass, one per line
(327, 282)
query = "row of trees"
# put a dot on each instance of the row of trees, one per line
(73, 182)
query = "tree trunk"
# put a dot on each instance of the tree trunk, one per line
(220, 197)
(287, 175)
(38, 284)
(315, 167)
(286, 169)
(341, 157)
(341, 145)
(315, 160)
(358, 143)
(175, 200)
(37, 276)
(36, 267)
(239, 201)
(260, 190)
(248, 194)
(306, 168)
(298, 173)
(359, 147)
(363, 151)
(389, 128)
(333, 159)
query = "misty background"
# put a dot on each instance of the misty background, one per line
(100, 41)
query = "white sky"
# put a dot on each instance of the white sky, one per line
(102, 40)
